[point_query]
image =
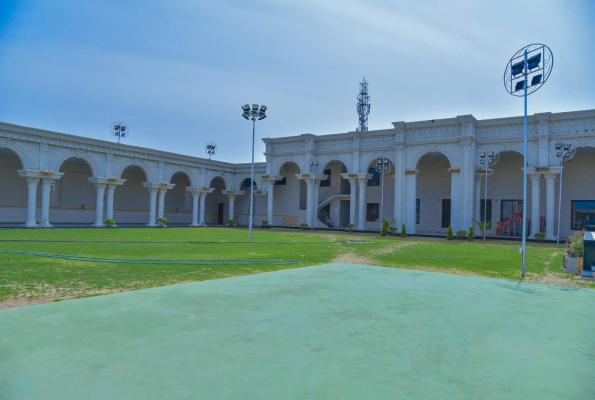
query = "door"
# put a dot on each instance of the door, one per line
(445, 213)
(220, 213)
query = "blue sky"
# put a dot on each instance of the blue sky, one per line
(178, 71)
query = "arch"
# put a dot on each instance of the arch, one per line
(79, 158)
(183, 171)
(241, 181)
(20, 152)
(224, 179)
(10, 152)
(371, 157)
(278, 170)
(422, 151)
(346, 159)
(63, 156)
(145, 168)
(278, 162)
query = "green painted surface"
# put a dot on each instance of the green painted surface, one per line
(333, 331)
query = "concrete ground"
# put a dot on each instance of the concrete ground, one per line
(337, 331)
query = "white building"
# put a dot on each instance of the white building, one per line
(57, 179)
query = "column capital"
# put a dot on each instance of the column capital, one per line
(45, 174)
(200, 190)
(233, 193)
(271, 177)
(535, 178)
(113, 181)
(550, 179)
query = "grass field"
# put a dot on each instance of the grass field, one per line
(30, 280)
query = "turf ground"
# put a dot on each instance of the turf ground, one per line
(338, 331)
(26, 280)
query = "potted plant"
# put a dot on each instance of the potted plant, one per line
(540, 236)
(350, 227)
(161, 222)
(265, 223)
(304, 226)
(461, 233)
(574, 253)
(231, 222)
(109, 223)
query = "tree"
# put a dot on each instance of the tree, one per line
(471, 236)
(403, 231)
(449, 234)
(483, 227)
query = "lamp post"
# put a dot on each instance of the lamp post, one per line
(563, 151)
(313, 171)
(382, 165)
(253, 114)
(211, 149)
(485, 160)
(535, 61)
(119, 130)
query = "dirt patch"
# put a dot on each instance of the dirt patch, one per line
(392, 248)
(351, 258)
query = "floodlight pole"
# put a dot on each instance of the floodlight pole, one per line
(563, 156)
(525, 177)
(313, 170)
(252, 180)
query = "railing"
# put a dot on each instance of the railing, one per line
(324, 217)
(332, 191)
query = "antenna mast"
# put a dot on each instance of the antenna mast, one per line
(363, 106)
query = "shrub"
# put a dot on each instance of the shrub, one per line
(539, 236)
(393, 230)
(265, 222)
(350, 227)
(231, 222)
(461, 233)
(384, 230)
(110, 223)
(304, 226)
(471, 236)
(161, 222)
(403, 231)
(449, 234)
(575, 245)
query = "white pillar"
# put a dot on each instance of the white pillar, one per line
(203, 197)
(352, 200)
(411, 187)
(46, 186)
(270, 203)
(161, 205)
(109, 207)
(315, 204)
(152, 206)
(455, 202)
(309, 196)
(535, 194)
(195, 197)
(550, 181)
(477, 193)
(31, 201)
(232, 198)
(99, 205)
(399, 194)
(361, 221)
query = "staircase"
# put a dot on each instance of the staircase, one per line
(326, 197)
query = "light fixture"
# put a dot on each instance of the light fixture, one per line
(566, 146)
(559, 146)
(520, 85)
(518, 68)
(119, 130)
(536, 80)
(534, 61)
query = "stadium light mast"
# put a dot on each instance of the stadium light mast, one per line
(120, 130)
(211, 149)
(535, 61)
(253, 114)
(363, 106)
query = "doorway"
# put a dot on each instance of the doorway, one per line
(220, 213)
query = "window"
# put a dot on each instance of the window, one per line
(281, 182)
(375, 179)
(445, 213)
(327, 182)
(489, 214)
(583, 215)
(247, 182)
(372, 212)
(417, 207)
(510, 208)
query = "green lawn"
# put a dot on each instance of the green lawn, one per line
(29, 280)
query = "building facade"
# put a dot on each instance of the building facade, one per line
(434, 179)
